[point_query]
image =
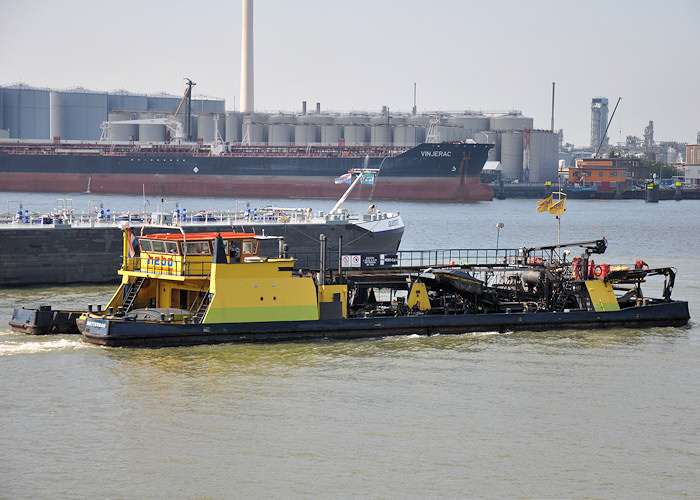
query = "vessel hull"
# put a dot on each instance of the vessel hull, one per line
(428, 172)
(61, 255)
(130, 334)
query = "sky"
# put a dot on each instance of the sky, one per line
(490, 55)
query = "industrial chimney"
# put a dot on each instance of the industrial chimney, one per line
(247, 58)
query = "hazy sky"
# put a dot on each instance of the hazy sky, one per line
(363, 54)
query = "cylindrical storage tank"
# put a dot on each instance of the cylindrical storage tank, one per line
(511, 122)
(24, 111)
(233, 127)
(490, 137)
(206, 106)
(164, 103)
(470, 123)
(355, 135)
(206, 127)
(380, 135)
(544, 156)
(151, 132)
(122, 132)
(77, 114)
(445, 133)
(125, 101)
(420, 120)
(314, 120)
(305, 134)
(331, 134)
(253, 133)
(512, 155)
(408, 135)
(352, 120)
(280, 134)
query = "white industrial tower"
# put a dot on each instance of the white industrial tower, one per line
(599, 122)
(247, 87)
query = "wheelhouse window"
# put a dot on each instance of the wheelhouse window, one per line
(197, 248)
(250, 247)
(158, 246)
(172, 247)
(145, 245)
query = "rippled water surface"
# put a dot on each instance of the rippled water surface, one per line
(583, 414)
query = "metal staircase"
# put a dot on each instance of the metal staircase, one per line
(128, 302)
(202, 309)
(565, 292)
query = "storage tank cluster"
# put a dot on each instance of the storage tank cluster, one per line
(76, 114)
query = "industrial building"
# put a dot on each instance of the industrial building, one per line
(599, 122)
(78, 114)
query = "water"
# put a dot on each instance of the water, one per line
(578, 414)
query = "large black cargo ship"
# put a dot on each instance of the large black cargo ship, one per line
(446, 171)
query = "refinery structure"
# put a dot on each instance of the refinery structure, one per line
(41, 114)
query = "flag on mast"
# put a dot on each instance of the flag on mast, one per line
(344, 179)
(558, 207)
(367, 179)
(544, 205)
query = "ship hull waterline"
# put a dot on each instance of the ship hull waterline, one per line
(163, 334)
(269, 186)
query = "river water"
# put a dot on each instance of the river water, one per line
(576, 414)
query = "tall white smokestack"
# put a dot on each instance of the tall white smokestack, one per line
(247, 58)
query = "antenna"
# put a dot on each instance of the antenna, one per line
(415, 109)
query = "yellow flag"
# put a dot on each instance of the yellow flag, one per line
(544, 205)
(558, 207)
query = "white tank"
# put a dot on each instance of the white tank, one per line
(421, 120)
(512, 155)
(151, 132)
(305, 135)
(380, 135)
(233, 127)
(544, 156)
(280, 134)
(77, 114)
(122, 132)
(255, 133)
(331, 134)
(355, 135)
(352, 120)
(205, 128)
(512, 121)
(408, 135)
(490, 137)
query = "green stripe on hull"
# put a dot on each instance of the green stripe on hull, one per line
(258, 314)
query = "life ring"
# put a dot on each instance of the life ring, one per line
(597, 271)
(591, 268)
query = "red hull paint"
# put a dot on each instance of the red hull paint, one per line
(387, 188)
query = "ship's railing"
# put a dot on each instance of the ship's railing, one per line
(422, 258)
(166, 266)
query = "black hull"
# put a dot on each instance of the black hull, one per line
(126, 334)
(47, 255)
(444, 171)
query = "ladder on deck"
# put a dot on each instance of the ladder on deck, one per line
(563, 296)
(202, 309)
(128, 302)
